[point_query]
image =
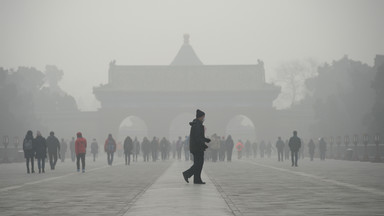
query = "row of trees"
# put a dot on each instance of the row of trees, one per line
(27, 93)
(345, 95)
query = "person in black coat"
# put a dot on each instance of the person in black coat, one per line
(197, 147)
(29, 150)
(53, 145)
(128, 147)
(294, 145)
(229, 145)
(41, 151)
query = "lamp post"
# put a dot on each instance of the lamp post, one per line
(366, 140)
(355, 141)
(331, 147)
(5, 143)
(346, 142)
(338, 154)
(377, 142)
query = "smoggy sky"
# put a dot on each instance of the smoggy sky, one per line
(82, 37)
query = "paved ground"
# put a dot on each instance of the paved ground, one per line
(246, 187)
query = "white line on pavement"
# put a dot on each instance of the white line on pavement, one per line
(323, 179)
(48, 179)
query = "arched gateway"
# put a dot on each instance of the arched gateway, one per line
(160, 93)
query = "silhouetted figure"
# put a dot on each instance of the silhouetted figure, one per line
(222, 149)
(229, 145)
(197, 147)
(239, 147)
(294, 145)
(128, 147)
(322, 148)
(146, 149)
(286, 150)
(163, 148)
(72, 149)
(254, 149)
(215, 146)
(262, 149)
(186, 148)
(311, 149)
(53, 145)
(136, 149)
(154, 148)
(280, 149)
(80, 149)
(29, 150)
(179, 148)
(268, 149)
(110, 148)
(63, 149)
(248, 150)
(41, 151)
(94, 149)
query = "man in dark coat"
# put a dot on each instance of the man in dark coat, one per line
(146, 149)
(197, 147)
(53, 145)
(311, 149)
(322, 148)
(41, 151)
(29, 150)
(128, 147)
(280, 149)
(294, 145)
(229, 144)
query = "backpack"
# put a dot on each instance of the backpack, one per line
(28, 145)
(110, 146)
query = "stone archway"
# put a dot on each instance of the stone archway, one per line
(241, 127)
(132, 126)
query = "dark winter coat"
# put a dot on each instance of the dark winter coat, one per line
(29, 152)
(53, 145)
(128, 145)
(229, 144)
(294, 143)
(311, 147)
(197, 138)
(40, 147)
(280, 145)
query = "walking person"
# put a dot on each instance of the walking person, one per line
(94, 149)
(197, 147)
(215, 146)
(128, 147)
(41, 151)
(53, 145)
(29, 150)
(294, 145)
(311, 149)
(146, 149)
(254, 149)
(154, 148)
(63, 149)
(239, 147)
(110, 148)
(280, 149)
(72, 149)
(80, 149)
(163, 148)
(262, 149)
(179, 147)
(322, 148)
(222, 149)
(229, 147)
(136, 151)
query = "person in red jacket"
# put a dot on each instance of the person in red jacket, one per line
(110, 148)
(80, 149)
(239, 146)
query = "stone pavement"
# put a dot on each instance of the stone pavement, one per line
(268, 187)
(246, 187)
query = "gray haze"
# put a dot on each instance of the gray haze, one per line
(82, 37)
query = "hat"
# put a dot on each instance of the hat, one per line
(199, 113)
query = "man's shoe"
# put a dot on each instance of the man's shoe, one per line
(185, 177)
(199, 182)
